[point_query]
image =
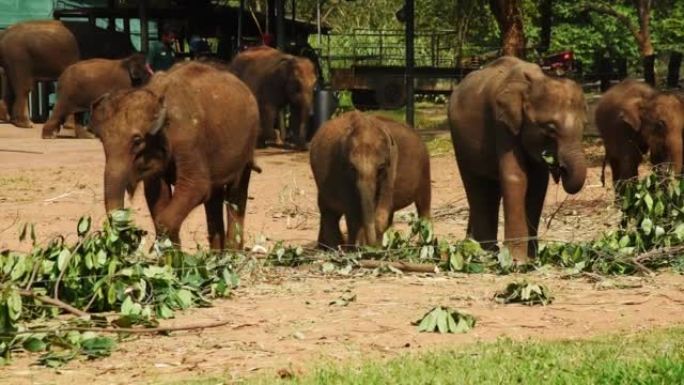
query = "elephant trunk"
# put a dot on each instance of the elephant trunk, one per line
(573, 168)
(367, 191)
(115, 182)
(674, 150)
(299, 119)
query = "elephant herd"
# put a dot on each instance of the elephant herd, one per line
(190, 133)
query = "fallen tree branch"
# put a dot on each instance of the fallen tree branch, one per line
(55, 302)
(162, 329)
(403, 266)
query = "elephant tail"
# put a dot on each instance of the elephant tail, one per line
(603, 171)
(255, 167)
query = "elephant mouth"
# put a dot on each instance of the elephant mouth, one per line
(556, 172)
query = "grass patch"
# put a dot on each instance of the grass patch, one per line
(655, 357)
(440, 145)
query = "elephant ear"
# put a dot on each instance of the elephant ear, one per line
(137, 69)
(103, 109)
(630, 113)
(160, 120)
(510, 102)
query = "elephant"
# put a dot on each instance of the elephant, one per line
(278, 79)
(512, 125)
(83, 82)
(43, 49)
(633, 118)
(193, 128)
(367, 167)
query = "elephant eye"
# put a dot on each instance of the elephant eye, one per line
(137, 141)
(660, 125)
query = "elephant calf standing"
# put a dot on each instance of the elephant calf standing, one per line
(278, 80)
(82, 83)
(193, 127)
(366, 168)
(505, 119)
(633, 119)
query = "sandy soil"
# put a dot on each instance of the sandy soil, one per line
(283, 319)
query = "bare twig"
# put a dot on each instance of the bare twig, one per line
(555, 212)
(54, 301)
(61, 273)
(403, 266)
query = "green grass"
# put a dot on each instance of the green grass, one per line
(655, 357)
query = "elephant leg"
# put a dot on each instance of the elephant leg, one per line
(329, 234)
(534, 203)
(21, 86)
(184, 199)
(81, 130)
(4, 113)
(57, 118)
(236, 209)
(514, 183)
(281, 128)
(157, 195)
(355, 233)
(213, 208)
(424, 196)
(483, 197)
(268, 121)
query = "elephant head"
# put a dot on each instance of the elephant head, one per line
(300, 79)
(136, 66)
(548, 115)
(662, 126)
(130, 125)
(372, 162)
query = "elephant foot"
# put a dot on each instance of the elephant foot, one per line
(49, 134)
(83, 133)
(22, 123)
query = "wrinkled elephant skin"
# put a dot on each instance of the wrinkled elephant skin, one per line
(507, 121)
(193, 128)
(633, 119)
(43, 49)
(366, 168)
(278, 80)
(82, 83)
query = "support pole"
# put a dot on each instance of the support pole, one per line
(280, 24)
(241, 11)
(410, 24)
(318, 21)
(144, 27)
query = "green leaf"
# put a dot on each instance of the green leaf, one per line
(647, 226)
(127, 306)
(648, 200)
(34, 345)
(83, 226)
(442, 323)
(185, 298)
(63, 259)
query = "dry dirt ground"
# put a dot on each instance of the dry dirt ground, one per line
(282, 319)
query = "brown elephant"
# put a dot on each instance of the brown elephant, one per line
(507, 119)
(366, 168)
(633, 118)
(193, 128)
(82, 83)
(278, 80)
(43, 49)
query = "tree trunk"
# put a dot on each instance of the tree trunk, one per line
(509, 19)
(673, 69)
(546, 21)
(641, 33)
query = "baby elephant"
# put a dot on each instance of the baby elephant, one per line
(367, 167)
(83, 82)
(633, 119)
